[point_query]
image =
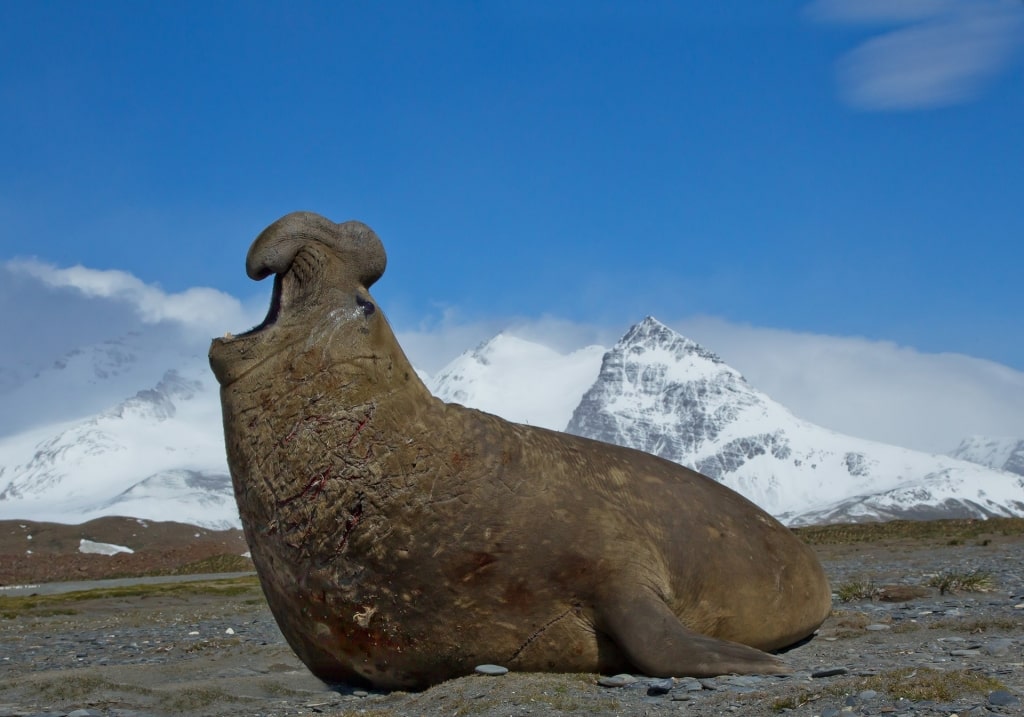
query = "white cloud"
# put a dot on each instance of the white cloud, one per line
(872, 389)
(78, 340)
(197, 308)
(943, 55)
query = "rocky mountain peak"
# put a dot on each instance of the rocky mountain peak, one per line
(665, 394)
(652, 333)
(661, 392)
(157, 403)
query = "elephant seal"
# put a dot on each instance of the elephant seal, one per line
(401, 541)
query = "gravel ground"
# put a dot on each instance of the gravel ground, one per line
(213, 649)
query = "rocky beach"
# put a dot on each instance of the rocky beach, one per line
(928, 619)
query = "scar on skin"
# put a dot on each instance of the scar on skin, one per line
(363, 618)
(541, 631)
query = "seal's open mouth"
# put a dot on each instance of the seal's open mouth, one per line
(272, 313)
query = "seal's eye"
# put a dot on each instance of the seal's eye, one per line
(367, 306)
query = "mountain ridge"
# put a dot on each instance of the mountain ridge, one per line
(159, 451)
(664, 393)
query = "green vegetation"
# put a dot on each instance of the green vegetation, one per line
(224, 563)
(976, 581)
(13, 606)
(861, 589)
(924, 683)
(908, 683)
(73, 688)
(192, 699)
(9, 612)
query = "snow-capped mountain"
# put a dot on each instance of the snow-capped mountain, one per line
(1005, 454)
(519, 380)
(157, 455)
(663, 393)
(86, 380)
(946, 494)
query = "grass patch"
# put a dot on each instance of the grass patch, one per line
(945, 530)
(73, 688)
(10, 612)
(224, 563)
(803, 697)
(952, 581)
(849, 624)
(915, 684)
(189, 700)
(924, 683)
(851, 590)
(13, 606)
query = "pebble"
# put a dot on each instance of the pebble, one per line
(1002, 698)
(616, 680)
(689, 684)
(878, 627)
(660, 687)
(830, 672)
(491, 670)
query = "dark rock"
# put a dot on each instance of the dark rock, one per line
(660, 687)
(1002, 698)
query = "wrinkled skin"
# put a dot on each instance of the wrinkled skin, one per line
(401, 541)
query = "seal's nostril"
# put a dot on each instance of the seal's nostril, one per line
(367, 306)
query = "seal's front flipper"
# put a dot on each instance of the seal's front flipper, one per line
(656, 643)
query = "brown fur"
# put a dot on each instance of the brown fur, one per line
(401, 541)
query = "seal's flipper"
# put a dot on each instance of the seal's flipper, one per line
(656, 643)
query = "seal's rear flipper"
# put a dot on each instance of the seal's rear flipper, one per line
(657, 644)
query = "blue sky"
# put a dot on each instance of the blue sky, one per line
(840, 167)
